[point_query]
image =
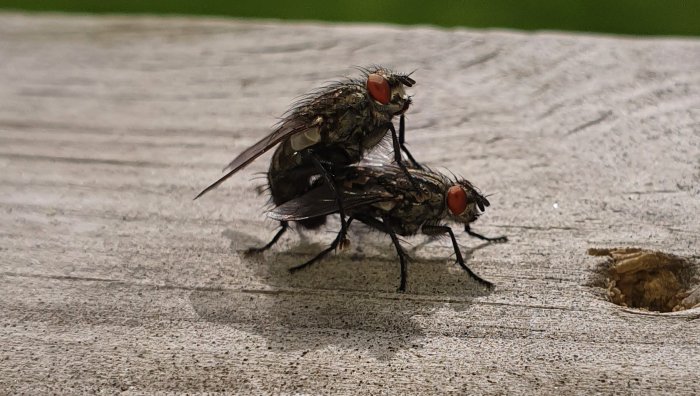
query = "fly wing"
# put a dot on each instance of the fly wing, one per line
(288, 128)
(317, 202)
(334, 99)
(381, 154)
(321, 202)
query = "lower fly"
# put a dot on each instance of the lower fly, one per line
(385, 199)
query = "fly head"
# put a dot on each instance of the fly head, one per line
(464, 202)
(387, 91)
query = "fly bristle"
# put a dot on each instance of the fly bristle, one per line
(403, 78)
(262, 176)
(320, 95)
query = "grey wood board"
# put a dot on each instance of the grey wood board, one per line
(113, 279)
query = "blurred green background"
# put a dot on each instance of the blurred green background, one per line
(634, 17)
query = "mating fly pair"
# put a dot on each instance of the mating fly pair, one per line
(332, 128)
(327, 129)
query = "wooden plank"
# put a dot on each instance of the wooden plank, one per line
(114, 280)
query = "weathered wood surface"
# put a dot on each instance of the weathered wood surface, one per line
(113, 279)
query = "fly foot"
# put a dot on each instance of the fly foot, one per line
(344, 243)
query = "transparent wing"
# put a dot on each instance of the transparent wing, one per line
(321, 202)
(381, 154)
(286, 129)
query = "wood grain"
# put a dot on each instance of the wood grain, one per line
(113, 279)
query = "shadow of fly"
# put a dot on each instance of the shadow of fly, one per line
(330, 128)
(385, 198)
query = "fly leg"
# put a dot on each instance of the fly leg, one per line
(500, 239)
(443, 229)
(338, 240)
(283, 227)
(385, 226)
(399, 160)
(402, 142)
(331, 185)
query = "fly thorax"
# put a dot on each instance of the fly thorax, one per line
(373, 136)
(425, 196)
(382, 115)
(432, 203)
(350, 127)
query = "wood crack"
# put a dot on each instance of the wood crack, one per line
(589, 124)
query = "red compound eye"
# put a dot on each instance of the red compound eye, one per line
(456, 200)
(378, 88)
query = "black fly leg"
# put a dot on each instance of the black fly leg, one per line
(443, 229)
(385, 226)
(402, 142)
(331, 185)
(500, 239)
(399, 160)
(284, 225)
(338, 240)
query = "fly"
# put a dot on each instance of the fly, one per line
(330, 128)
(382, 197)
